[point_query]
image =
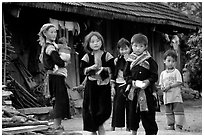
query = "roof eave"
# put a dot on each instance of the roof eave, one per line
(106, 14)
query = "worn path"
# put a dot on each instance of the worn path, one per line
(193, 126)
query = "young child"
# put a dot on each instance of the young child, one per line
(141, 73)
(170, 82)
(56, 81)
(120, 104)
(97, 65)
(64, 52)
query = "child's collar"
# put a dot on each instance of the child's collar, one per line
(170, 70)
(99, 51)
(56, 46)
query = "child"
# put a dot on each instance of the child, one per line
(97, 65)
(141, 74)
(120, 104)
(64, 52)
(56, 81)
(170, 82)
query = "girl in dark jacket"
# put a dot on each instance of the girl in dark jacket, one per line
(97, 65)
(120, 103)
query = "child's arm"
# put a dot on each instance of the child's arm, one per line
(178, 81)
(50, 50)
(172, 86)
(153, 77)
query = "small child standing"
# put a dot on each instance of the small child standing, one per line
(120, 104)
(170, 82)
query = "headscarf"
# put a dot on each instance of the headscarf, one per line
(42, 38)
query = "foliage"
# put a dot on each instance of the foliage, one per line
(194, 60)
(193, 54)
(191, 9)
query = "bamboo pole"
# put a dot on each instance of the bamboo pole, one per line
(5, 49)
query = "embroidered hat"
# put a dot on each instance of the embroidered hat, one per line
(139, 38)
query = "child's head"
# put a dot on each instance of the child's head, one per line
(63, 41)
(139, 43)
(47, 32)
(170, 59)
(63, 47)
(123, 46)
(93, 41)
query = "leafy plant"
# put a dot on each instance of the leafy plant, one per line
(194, 60)
(193, 55)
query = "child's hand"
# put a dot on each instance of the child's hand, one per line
(79, 88)
(146, 83)
(126, 56)
(93, 67)
(134, 83)
(112, 91)
(167, 88)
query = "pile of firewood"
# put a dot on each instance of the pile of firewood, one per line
(14, 122)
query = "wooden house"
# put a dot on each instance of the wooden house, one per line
(113, 20)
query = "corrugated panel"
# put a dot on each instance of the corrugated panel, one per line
(148, 12)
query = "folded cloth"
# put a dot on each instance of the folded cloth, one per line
(142, 100)
(131, 93)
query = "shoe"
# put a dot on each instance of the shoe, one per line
(179, 128)
(170, 128)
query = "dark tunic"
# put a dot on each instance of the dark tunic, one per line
(120, 104)
(97, 98)
(57, 86)
(148, 118)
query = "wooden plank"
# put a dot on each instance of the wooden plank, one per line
(10, 124)
(23, 129)
(35, 110)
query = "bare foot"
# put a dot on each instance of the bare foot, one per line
(101, 130)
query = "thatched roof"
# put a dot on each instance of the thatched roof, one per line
(146, 12)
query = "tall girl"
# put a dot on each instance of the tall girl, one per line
(97, 65)
(56, 80)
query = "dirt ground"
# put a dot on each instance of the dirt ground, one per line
(193, 126)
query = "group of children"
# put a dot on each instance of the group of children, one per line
(130, 79)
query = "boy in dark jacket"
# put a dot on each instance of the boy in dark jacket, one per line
(141, 73)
